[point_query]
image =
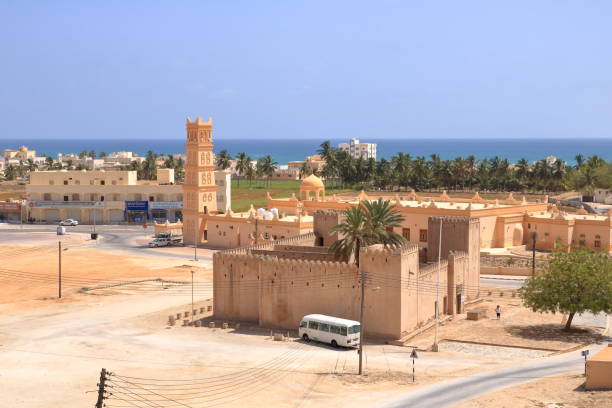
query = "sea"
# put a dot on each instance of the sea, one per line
(284, 151)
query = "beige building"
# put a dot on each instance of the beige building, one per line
(359, 150)
(599, 370)
(107, 196)
(275, 284)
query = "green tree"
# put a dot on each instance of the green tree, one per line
(242, 163)
(573, 282)
(49, 162)
(10, 173)
(365, 225)
(223, 160)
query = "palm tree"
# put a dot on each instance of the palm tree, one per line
(224, 160)
(366, 225)
(269, 166)
(305, 170)
(10, 173)
(49, 162)
(242, 163)
(579, 160)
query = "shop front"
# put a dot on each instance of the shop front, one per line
(85, 212)
(162, 211)
(136, 212)
(10, 212)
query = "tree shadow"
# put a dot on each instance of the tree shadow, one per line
(553, 332)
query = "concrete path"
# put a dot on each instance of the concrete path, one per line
(448, 393)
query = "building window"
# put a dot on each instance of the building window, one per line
(65, 182)
(528, 225)
(597, 244)
(66, 198)
(51, 182)
(77, 182)
(46, 197)
(597, 237)
(151, 198)
(101, 198)
(114, 182)
(102, 182)
(406, 233)
(423, 235)
(75, 197)
(581, 242)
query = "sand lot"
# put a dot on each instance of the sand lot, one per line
(564, 391)
(52, 351)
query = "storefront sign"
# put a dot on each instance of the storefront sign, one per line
(137, 205)
(159, 205)
(10, 207)
(66, 204)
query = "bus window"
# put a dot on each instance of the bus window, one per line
(343, 330)
(354, 329)
(324, 327)
(334, 329)
(313, 325)
(303, 323)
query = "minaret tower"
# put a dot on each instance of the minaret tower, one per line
(199, 191)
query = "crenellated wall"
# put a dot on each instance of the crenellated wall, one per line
(259, 284)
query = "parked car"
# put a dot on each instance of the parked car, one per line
(69, 222)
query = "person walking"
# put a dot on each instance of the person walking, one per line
(498, 312)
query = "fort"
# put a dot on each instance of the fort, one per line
(274, 284)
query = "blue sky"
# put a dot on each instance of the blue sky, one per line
(306, 69)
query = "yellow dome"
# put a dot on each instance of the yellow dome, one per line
(312, 182)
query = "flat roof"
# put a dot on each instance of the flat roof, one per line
(331, 319)
(604, 354)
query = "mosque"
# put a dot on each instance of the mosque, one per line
(503, 222)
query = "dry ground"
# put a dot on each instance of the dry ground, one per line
(51, 351)
(563, 391)
(518, 327)
(12, 190)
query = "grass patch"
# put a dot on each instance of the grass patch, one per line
(255, 192)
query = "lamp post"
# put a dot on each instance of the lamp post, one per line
(192, 273)
(533, 249)
(435, 344)
(195, 242)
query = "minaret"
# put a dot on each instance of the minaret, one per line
(199, 191)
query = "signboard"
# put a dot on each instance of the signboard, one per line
(66, 204)
(159, 205)
(414, 354)
(10, 207)
(137, 205)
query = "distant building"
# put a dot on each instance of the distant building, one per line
(23, 154)
(357, 150)
(603, 196)
(103, 196)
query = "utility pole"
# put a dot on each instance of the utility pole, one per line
(59, 276)
(361, 321)
(435, 345)
(533, 248)
(101, 386)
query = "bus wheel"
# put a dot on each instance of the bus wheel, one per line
(305, 337)
(334, 344)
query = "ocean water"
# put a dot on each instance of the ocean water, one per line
(284, 151)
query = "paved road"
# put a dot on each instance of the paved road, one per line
(113, 238)
(448, 393)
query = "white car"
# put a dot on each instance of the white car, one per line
(159, 242)
(69, 222)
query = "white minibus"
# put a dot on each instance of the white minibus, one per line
(332, 330)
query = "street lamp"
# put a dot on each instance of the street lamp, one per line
(533, 250)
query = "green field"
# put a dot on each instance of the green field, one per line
(255, 192)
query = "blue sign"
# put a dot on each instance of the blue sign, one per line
(137, 205)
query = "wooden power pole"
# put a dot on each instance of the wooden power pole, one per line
(101, 386)
(59, 277)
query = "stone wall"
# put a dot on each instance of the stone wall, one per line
(324, 221)
(303, 255)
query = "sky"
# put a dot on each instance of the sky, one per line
(306, 69)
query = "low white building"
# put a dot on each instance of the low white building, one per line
(357, 150)
(603, 196)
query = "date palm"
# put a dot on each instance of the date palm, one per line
(223, 160)
(242, 163)
(365, 225)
